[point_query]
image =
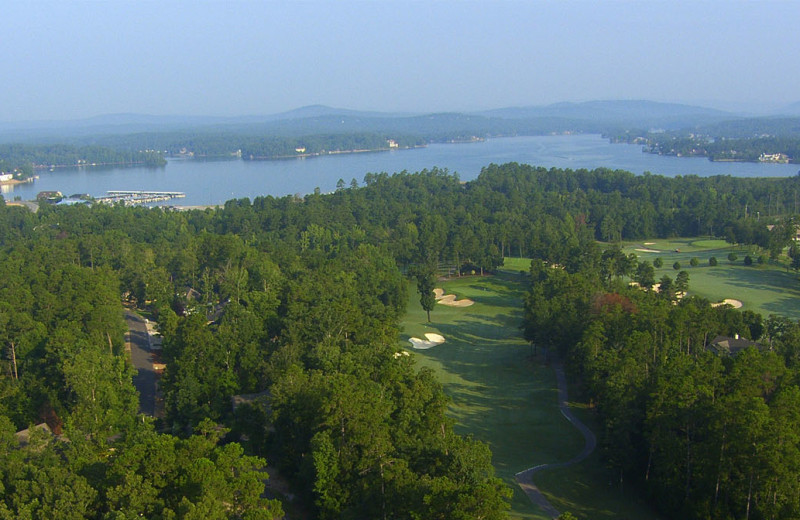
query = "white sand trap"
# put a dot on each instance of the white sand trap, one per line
(649, 243)
(431, 340)
(648, 250)
(728, 301)
(450, 301)
(460, 303)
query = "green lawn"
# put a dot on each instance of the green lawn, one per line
(505, 397)
(589, 490)
(766, 289)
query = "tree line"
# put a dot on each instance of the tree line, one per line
(28, 157)
(703, 432)
(249, 143)
(738, 149)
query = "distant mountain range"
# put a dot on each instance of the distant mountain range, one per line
(629, 112)
(591, 116)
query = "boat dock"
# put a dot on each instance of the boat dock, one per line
(131, 197)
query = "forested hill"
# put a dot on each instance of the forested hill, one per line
(665, 128)
(299, 299)
(25, 159)
(318, 119)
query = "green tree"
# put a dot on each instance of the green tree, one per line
(426, 283)
(694, 262)
(658, 263)
(712, 261)
(645, 275)
(682, 282)
(676, 266)
(666, 288)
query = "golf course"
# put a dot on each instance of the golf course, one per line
(505, 394)
(767, 288)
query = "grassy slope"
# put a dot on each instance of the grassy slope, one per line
(502, 396)
(766, 289)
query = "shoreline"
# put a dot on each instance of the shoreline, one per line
(722, 160)
(324, 153)
(15, 182)
(95, 165)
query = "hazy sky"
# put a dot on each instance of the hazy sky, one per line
(68, 59)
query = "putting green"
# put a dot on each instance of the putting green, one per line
(504, 395)
(763, 288)
(712, 243)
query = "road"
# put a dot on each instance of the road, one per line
(139, 346)
(525, 478)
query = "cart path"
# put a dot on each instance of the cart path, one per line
(525, 478)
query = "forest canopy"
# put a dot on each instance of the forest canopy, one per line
(299, 299)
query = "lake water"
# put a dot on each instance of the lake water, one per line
(214, 182)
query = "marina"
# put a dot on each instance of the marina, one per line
(132, 197)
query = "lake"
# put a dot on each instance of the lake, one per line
(215, 181)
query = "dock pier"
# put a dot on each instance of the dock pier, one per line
(131, 197)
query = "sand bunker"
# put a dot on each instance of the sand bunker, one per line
(459, 303)
(431, 340)
(728, 301)
(648, 250)
(430, 336)
(649, 243)
(450, 299)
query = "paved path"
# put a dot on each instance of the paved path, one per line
(525, 478)
(139, 346)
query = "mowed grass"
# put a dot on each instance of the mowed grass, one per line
(590, 490)
(503, 395)
(766, 289)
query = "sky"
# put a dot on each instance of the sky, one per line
(67, 59)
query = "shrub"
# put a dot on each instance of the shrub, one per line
(732, 257)
(657, 263)
(748, 260)
(676, 266)
(712, 261)
(694, 262)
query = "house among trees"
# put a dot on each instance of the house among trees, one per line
(796, 236)
(727, 346)
(49, 196)
(773, 157)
